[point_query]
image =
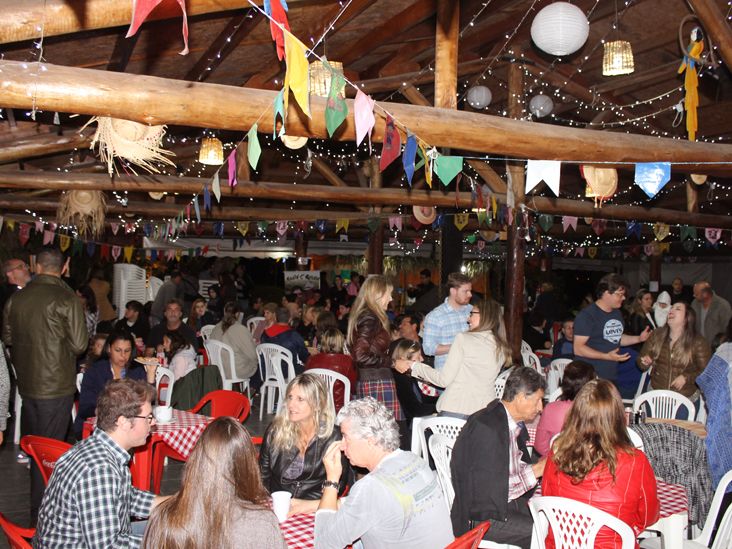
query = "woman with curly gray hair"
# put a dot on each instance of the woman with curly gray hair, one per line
(398, 504)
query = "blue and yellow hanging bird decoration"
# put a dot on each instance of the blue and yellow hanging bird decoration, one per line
(692, 59)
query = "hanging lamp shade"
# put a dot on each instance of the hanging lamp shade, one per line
(541, 105)
(320, 76)
(212, 151)
(560, 29)
(479, 97)
(617, 58)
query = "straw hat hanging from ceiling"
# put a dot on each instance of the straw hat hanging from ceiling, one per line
(136, 143)
(602, 183)
(86, 210)
(424, 214)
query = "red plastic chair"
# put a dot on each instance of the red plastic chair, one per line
(471, 539)
(223, 404)
(45, 452)
(16, 535)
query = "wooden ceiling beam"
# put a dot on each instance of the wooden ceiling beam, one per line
(41, 145)
(123, 48)
(155, 100)
(631, 81)
(715, 23)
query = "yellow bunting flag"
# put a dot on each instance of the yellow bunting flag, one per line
(661, 230)
(128, 253)
(341, 224)
(296, 75)
(592, 251)
(11, 224)
(461, 220)
(178, 254)
(64, 241)
(665, 247)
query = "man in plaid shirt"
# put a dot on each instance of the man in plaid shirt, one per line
(446, 321)
(90, 498)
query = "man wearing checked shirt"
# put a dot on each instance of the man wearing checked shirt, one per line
(446, 321)
(90, 499)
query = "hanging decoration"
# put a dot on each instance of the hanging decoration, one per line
(712, 235)
(479, 97)
(602, 183)
(461, 220)
(599, 226)
(448, 167)
(410, 152)
(363, 115)
(392, 144)
(86, 210)
(617, 58)
(211, 152)
(277, 12)
(336, 109)
(541, 105)
(692, 58)
(254, 149)
(296, 74)
(660, 230)
(142, 8)
(341, 224)
(652, 176)
(543, 170)
(560, 29)
(546, 221)
(321, 73)
(687, 232)
(426, 215)
(569, 221)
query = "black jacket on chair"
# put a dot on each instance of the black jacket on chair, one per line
(273, 463)
(479, 468)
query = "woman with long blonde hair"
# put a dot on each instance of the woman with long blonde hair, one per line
(368, 340)
(473, 363)
(222, 502)
(291, 456)
(593, 461)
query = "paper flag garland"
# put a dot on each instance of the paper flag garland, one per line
(276, 10)
(439, 221)
(373, 224)
(64, 241)
(410, 152)
(90, 248)
(548, 171)
(116, 250)
(48, 237)
(688, 245)
(661, 230)
(216, 184)
(592, 252)
(321, 225)
(281, 227)
(278, 109)
(687, 232)
(392, 144)
(599, 225)
(11, 224)
(336, 109)
(105, 252)
(569, 221)
(652, 176)
(206, 198)
(461, 219)
(296, 75)
(579, 252)
(39, 226)
(231, 165)
(142, 8)
(254, 149)
(712, 235)
(341, 224)
(546, 221)
(447, 167)
(395, 222)
(128, 253)
(197, 209)
(115, 227)
(633, 228)
(363, 115)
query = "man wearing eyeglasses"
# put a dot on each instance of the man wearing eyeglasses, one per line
(17, 275)
(90, 500)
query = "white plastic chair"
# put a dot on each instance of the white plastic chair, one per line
(701, 415)
(556, 373)
(330, 377)
(554, 395)
(449, 427)
(525, 348)
(274, 383)
(441, 451)
(160, 374)
(222, 355)
(79, 379)
(206, 332)
(636, 439)
(501, 382)
(723, 539)
(574, 524)
(252, 323)
(641, 386)
(532, 361)
(664, 404)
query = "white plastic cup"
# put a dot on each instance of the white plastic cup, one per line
(163, 414)
(281, 504)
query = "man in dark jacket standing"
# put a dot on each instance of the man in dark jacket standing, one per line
(44, 327)
(491, 471)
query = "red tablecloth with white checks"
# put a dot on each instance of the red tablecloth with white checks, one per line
(299, 531)
(182, 433)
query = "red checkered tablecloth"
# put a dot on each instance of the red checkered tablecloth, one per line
(183, 432)
(299, 531)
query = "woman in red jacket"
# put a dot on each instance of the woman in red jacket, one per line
(593, 461)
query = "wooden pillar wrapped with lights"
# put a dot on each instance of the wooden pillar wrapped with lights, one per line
(375, 250)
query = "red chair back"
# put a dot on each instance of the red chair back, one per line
(472, 539)
(16, 535)
(45, 452)
(225, 403)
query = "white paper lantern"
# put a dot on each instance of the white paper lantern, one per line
(541, 105)
(560, 29)
(479, 97)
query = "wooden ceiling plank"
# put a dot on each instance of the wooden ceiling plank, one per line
(156, 100)
(632, 80)
(41, 145)
(123, 48)
(715, 23)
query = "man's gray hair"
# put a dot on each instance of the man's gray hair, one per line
(370, 419)
(522, 380)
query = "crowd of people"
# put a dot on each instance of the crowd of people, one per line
(400, 366)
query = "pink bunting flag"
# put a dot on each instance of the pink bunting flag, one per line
(170, 255)
(141, 9)
(712, 235)
(48, 237)
(281, 227)
(39, 226)
(115, 227)
(579, 251)
(232, 169)
(116, 250)
(363, 113)
(395, 222)
(569, 221)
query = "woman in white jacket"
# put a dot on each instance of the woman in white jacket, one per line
(239, 338)
(180, 354)
(473, 363)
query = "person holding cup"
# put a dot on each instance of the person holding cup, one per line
(120, 347)
(291, 455)
(222, 502)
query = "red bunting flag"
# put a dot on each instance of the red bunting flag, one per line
(142, 8)
(392, 144)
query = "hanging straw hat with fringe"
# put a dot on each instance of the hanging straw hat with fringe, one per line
(136, 143)
(86, 210)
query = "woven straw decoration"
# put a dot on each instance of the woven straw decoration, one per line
(86, 210)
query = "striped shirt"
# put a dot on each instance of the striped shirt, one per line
(521, 476)
(441, 326)
(90, 498)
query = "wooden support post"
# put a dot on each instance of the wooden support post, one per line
(375, 251)
(514, 306)
(301, 250)
(446, 53)
(654, 269)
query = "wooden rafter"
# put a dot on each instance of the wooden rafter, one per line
(123, 48)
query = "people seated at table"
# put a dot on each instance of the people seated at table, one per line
(474, 361)
(280, 333)
(181, 356)
(641, 313)
(417, 399)
(94, 352)
(90, 500)
(491, 468)
(398, 504)
(291, 456)
(661, 308)
(221, 501)
(534, 332)
(677, 353)
(239, 338)
(134, 321)
(119, 365)
(172, 322)
(307, 325)
(594, 461)
(564, 346)
(576, 374)
(330, 356)
(200, 316)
